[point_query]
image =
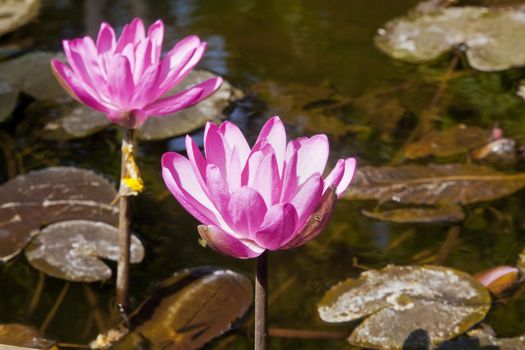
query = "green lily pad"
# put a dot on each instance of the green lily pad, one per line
(16, 13)
(184, 312)
(489, 36)
(71, 250)
(401, 302)
(41, 197)
(65, 120)
(187, 120)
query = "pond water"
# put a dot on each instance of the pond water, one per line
(285, 55)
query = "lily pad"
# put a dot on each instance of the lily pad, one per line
(65, 120)
(184, 312)
(32, 74)
(194, 117)
(444, 213)
(438, 302)
(42, 197)
(433, 184)
(16, 13)
(17, 334)
(488, 34)
(448, 142)
(71, 250)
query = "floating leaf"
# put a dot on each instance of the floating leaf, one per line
(433, 184)
(21, 335)
(54, 194)
(16, 13)
(192, 118)
(71, 250)
(489, 35)
(65, 120)
(499, 279)
(8, 99)
(445, 213)
(185, 312)
(32, 74)
(448, 142)
(403, 301)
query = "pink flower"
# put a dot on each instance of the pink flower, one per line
(127, 78)
(272, 196)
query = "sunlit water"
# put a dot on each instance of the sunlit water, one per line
(313, 44)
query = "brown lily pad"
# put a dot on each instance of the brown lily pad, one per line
(444, 213)
(17, 334)
(71, 250)
(16, 13)
(184, 312)
(41, 197)
(400, 301)
(433, 184)
(185, 121)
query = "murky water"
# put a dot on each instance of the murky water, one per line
(315, 46)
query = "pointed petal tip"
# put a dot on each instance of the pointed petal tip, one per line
(223, 243)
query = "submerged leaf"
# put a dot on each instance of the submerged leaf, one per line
(8, 99)
(448, 142)
(194, 117)
(186, 311)
(433, 184)
(444, 213)
(71, 250)
(17, 334)
(16, 13)
(54, 194)
(406, 304)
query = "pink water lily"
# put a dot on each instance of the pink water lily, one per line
(126, 77)
(268, 197)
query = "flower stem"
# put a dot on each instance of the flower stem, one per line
(261, 302)
(124, 231)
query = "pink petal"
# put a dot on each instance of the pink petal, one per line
(197, 160)
(142, 58)
(129, 119)
(273, 133)
(180, 179)
(131, 34)
(235, 139)
(106, 41)
(307, 198)
(290, 179)
(222, 242)
(156, 35)
(185, 99)
(312, 157)
(217, 188)
(316, 222)
(121, 85)
(246, 211)
(145, 87)
(278, 227)
(71, 84)
(341, 176)
(215, 148)
(264, 178)
(82, 56)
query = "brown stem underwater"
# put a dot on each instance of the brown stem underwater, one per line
(261, 302)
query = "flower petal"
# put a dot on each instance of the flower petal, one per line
(185, 99)
(121, 86)
(311, 157)
(307, 198)
(180, 179)
(278, 227)
(106, 41)
(197, 160)
(222, 242)
(71, 84)
(131, 34)
(156, 35)
(217, 188)
(264, 178)
(246, 212)
(341, 176)
(235, 139)
(273, 133)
